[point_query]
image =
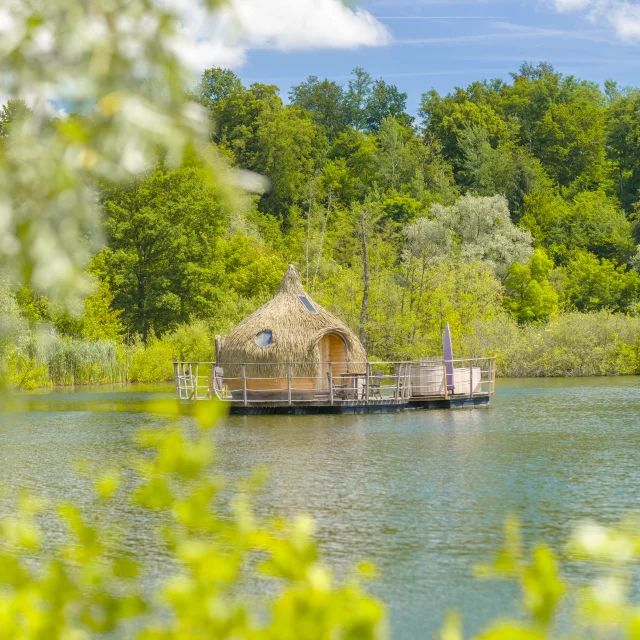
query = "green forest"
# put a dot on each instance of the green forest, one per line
(509, 209)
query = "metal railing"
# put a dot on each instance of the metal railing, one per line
(190, 385)
(337, 383)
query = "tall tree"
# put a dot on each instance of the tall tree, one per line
(290, 147)
(161, 231)
(384, 101)
(475, 228)
(325, 100)
(591, 284)
(239, 115)
(448, 119)
(592, 221)
(216, 84)
(361, 155)
(358, 92)
(410, 166)
(529, 294)
(506, 170)
(10, 112)
(570, 142)
(623, 144)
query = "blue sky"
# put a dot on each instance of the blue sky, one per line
(446, 43)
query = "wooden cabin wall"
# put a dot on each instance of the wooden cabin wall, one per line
(273, 388)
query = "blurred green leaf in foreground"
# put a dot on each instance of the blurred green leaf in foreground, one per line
(600, 606)
(217, 549)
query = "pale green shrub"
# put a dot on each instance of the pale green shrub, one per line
(193, 342)
(571, 344)
(154, 363)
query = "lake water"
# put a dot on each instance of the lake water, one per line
(423, 495)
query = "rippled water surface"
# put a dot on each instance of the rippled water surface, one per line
(423, 495)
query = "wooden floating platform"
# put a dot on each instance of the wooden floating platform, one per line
(367, 388)
(358, 407)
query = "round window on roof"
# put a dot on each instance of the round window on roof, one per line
(264, 339)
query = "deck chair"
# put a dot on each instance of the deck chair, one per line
(339, 390)
(375, 385)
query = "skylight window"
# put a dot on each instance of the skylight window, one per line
(264, 339)
(306, 302)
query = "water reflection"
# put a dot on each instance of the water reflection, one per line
(421, 494)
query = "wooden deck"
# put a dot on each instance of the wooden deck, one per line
(381, 387)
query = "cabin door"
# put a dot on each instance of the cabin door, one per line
(332, 350)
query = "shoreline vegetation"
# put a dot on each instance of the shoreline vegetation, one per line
(570, 345)
(510, 210)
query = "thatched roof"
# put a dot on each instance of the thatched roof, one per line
(296, 333)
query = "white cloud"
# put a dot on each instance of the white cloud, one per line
(622, 15)
(285, 25)
(625, 17)
(571, 5)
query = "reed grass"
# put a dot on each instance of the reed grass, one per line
(44, 358)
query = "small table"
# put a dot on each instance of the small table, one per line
(355, 385)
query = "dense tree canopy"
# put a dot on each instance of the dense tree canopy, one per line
(520, 196)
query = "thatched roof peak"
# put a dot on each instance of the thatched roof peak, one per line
(291, 283)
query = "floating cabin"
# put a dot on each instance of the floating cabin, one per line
(291, 356)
